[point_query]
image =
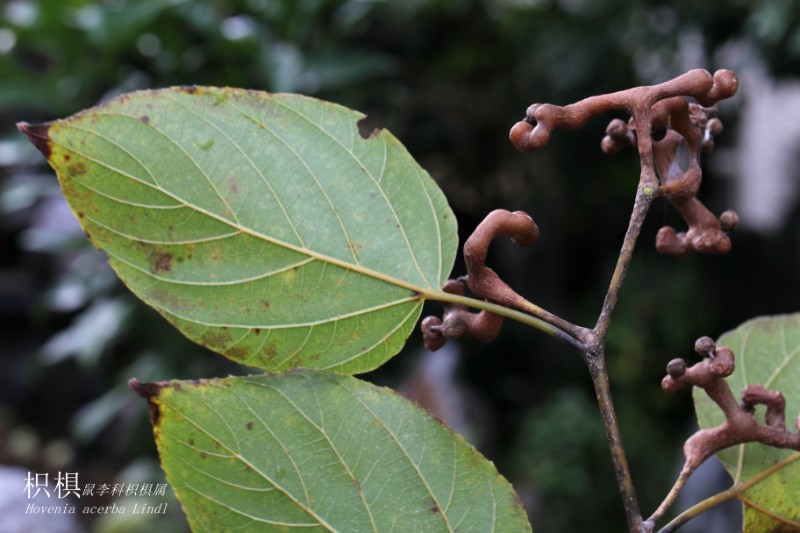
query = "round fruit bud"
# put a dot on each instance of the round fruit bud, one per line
(676, 368)
(729, 220)
(705, 346)
(520, 136)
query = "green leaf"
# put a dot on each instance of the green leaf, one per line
(263, 226)
(768, 353)
(320, 451)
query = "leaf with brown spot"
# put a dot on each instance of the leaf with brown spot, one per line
(308, 449)
(191, 192)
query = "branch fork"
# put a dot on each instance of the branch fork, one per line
(671, 124)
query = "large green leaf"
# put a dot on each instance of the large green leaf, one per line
(768, 353)
(320, 451)
(263, 226)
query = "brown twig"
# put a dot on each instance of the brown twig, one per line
(677, 124)
(669, 122)
(534, 132)
(740, 425)
(485, 282)
(599, 374)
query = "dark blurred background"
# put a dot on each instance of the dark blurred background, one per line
(448, 78)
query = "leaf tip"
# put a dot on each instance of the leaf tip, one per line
(148, 391)
(38, 135)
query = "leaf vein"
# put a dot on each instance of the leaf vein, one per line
(285, 449)
(267, 478)
(386, 278)
(378, 342)
(326, 320)
(374, 180)
(177, 145)
(317, 183)
(405, 452)
(788, 357)
(252, 163)
(339, 458)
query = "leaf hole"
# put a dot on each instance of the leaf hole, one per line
(368, 128)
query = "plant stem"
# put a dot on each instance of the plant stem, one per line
(726, 495)
(670, 498)
(595, 358)
(507, 312)
(644, 197)
(599, 373)
(582, 334)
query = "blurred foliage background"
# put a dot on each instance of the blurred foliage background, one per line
(448, 78)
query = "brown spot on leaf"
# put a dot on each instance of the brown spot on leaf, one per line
(271, 349)
(237, 354)
(249, 426)
(257, 331)
(265, 304)
(189, 89)
(145, 119)
(67, 157)
(38, 135)
(77, 169)
(162, 262)
(215, 338)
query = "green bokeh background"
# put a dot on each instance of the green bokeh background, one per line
(448, 78)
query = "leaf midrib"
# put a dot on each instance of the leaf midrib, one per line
(380, 189)
(417, 290)
(348, 150)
